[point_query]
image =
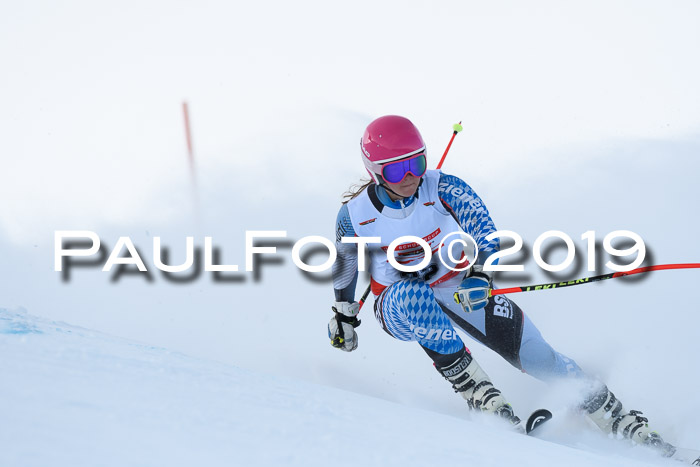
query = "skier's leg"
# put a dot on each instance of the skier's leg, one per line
(506, 329)
(408, 311)
(606, 411)
(503, 327)
(472, 383)
(539, 359)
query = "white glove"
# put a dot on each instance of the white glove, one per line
(341, 328)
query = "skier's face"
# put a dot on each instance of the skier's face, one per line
(405, 187)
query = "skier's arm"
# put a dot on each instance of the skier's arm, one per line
(470, 212)
(344, 269)
(341, 328)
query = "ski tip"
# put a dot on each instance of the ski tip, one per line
(536, 419)
(689, 456)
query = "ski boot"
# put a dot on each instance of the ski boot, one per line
(473, 384)
(606, 411)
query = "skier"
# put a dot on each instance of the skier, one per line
(404, 198)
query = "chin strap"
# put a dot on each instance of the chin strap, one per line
(386, 187)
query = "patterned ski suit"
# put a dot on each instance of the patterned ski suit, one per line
(419, 306)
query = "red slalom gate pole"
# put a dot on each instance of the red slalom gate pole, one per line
(190, 158)
(188, 136)
(456, 128)
(588, 280)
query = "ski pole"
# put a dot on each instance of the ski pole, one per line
(456, 128)
(364, 296)
(588, 280)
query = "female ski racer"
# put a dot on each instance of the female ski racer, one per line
(404, 198)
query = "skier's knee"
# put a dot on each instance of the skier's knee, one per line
(540, 360)
(427, 322)
(417, 296)
(536, 357)
(444, 359)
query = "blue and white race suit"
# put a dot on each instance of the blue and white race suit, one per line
(419, 306)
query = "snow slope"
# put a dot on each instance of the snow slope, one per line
(71, 396)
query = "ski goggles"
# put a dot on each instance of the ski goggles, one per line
(395, 172)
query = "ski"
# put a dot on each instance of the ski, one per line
(537, 419)
(689, 456)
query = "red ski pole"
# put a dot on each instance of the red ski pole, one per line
(457, 127)
(588, 280)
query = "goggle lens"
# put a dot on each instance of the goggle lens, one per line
(395, 172)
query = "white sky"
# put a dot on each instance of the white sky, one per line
(91, 91)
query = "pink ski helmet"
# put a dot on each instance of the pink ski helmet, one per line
(388, 139)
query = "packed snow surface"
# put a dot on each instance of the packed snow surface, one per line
(71, 396)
